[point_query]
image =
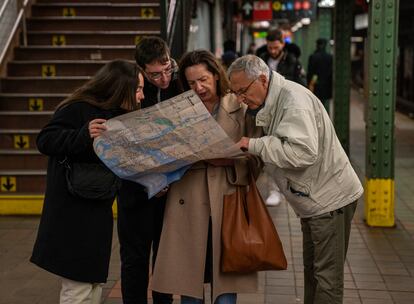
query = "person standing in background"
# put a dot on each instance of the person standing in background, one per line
(280, 60)
(229, 53)
(320, 73)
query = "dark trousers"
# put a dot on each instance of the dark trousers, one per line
(325, 244)
(139, 228)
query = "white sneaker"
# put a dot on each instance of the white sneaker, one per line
(273, 199)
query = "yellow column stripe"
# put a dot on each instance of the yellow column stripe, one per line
(379, 202)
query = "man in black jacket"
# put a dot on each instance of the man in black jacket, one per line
(320, 73)
(139, 218)
(279, 59)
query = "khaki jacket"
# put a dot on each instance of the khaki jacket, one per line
(180, 264)
(310, 166)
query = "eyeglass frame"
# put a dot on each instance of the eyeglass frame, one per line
(168, 71)
(244, 91)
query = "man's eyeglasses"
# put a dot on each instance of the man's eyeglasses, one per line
(167, 72)
(244, 90)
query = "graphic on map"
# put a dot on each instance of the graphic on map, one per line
(156, 145)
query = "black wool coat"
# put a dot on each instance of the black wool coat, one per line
(75, 235)
(321, 64)
(289, 67)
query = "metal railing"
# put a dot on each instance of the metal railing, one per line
(20, 22)
(175, 16)
(173, 11)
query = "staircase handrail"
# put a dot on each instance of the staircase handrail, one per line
(172, 13)
(15, 27)
(175, 27)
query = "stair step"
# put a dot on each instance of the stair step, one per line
(19, 131)
(23, 152)
(23, 172)
(96, 9)
(93, 23)
(53, 68)
(30, 101)
(24, 119)
(75, 52)
(88, 37)
(97, 1)
(23, 181)
(21, 139)
(25, 113)
(42, 85)
(22, 160)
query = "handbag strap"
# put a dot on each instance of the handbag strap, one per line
(252, 179)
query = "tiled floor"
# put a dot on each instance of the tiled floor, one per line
(379, 267)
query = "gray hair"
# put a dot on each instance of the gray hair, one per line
(251, 65)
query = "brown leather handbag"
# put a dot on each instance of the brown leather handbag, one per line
(250, 241)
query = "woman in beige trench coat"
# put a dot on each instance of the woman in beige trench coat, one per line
(195, 203)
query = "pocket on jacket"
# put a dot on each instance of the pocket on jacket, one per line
(300, 198)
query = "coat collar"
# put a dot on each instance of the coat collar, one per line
(229, 104)
(226, 118)
(276, 83)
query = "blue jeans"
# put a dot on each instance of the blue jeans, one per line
(225, 298)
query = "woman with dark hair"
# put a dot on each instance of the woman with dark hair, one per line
(75, 234)
(190, 245)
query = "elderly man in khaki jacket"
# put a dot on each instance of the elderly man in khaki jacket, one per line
(310, 167)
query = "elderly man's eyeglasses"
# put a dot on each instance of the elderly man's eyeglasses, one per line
(167, 72)
(244, 90)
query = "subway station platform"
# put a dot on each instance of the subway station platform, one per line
(379, 267)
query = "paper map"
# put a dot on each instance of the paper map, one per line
(156, 145)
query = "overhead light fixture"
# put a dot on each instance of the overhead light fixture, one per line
(264, 23)
(305, 21)
(326, 3)
(261, 24)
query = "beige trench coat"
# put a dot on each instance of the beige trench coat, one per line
(180, 263)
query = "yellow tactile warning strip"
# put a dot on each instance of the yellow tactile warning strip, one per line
(379, 202)
(26, 204)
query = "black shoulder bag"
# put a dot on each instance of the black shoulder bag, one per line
(92, 181)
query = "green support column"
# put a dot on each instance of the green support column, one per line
(342, 69)
(309, 46)
(382, 61)
(325, 24)
(298, 38)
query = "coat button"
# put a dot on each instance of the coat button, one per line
(181, 201)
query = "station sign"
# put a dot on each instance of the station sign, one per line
(294, 9)
(262, 10)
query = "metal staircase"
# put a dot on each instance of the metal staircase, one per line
(68, 41)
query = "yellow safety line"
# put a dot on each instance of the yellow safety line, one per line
(26, 205)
